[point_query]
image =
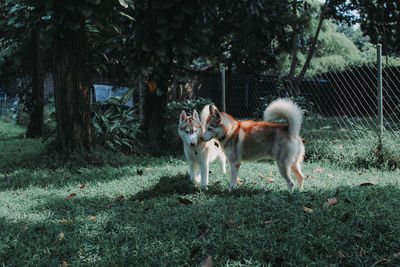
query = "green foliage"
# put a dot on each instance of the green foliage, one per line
(116, 125)
(306, 105)
(164, 45)
(355, 154)
(379, 21)
(174, 108)
(145, 211)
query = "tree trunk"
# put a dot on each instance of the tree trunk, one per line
(295, 39)
(72, 89)
(35, 127)
(312, 47)
(154, 104)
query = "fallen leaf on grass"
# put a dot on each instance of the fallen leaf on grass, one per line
(71, 196)
(66, 221)
(319, 170)
(92, 217)
(307, 209)
(308, 176)
(26, 227)
(82, 186)
(61, 236)
(239, 181)
(395, 255)
(366, 184)
(340, 254)
(149, 169)
(184, 201)
(268, 179)
(362, 252)
(232, 222)
(380, 261)
(120, 197)
(203, 234)
(64, 263)
(206, 262)
(330, 175)
(332, 201)
(271, 222)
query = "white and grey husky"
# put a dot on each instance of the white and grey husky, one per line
(255, 140)
(199, 154)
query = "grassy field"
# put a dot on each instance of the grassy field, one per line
(109, 209)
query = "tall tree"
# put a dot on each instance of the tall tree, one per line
(169, 35)
(23, 33)
(380, 20)
(35, 127)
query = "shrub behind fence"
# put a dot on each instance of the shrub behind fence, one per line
(343, 101)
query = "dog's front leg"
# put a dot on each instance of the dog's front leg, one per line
(234, 167)
(204, 175)
(194, 172)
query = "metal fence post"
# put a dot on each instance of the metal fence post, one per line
(380, 103)
(223, 89)
(5, 105)
(140, 104)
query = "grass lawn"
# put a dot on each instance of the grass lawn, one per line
(108, 209)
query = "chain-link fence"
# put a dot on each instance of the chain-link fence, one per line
(343, 102)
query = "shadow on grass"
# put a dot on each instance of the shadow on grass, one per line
(150, 227)
(33, 154)
(181, 185)
(63, 169)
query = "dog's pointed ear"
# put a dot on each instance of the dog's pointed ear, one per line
(182, 117)
(213, 109)
(215, 112)
(195, 115)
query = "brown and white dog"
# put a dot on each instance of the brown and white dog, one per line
(256, 140)
(199, 154)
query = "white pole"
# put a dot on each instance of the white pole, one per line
(380, 101)
(5, 105)
(223, 89)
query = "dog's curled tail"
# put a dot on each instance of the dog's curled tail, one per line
(285, 108)
(204, 114)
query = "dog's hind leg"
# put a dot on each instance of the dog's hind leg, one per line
(284, 169)
(221, 161)
(296, 169)
(296, 166)
(234, 167)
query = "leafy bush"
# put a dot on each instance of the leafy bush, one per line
(116, 125)
(172, 113)
(306, 105)
(360, 153)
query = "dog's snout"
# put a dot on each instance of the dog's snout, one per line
(192, 144)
